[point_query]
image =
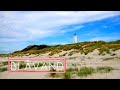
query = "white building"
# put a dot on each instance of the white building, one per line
(75, 38)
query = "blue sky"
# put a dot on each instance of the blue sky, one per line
(19, 29)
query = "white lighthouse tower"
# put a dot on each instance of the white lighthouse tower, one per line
(75, 38)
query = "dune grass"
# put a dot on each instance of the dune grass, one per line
(82, 72)
(68, 74)
(3, 69)
(105, 69)
(85, 71)
(5, 63)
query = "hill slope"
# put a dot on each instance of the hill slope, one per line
(82, 47)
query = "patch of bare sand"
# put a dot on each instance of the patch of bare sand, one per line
(23, 75)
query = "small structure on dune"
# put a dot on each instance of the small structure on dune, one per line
(75, 38)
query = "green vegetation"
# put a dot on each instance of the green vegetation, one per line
(104, 49)
(4, 55)
(71, 53)
(81, 47)
(53, 75)
(68, 74)
(5, 63)
(82, 72)
(85, 71)
(105, 69)
(34, 47)
(3, 69)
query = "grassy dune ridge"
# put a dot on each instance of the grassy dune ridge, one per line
(82, 47)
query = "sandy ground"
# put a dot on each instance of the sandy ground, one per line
(90, 60)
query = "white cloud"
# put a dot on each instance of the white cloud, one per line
(70, 29)
(29, 25)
